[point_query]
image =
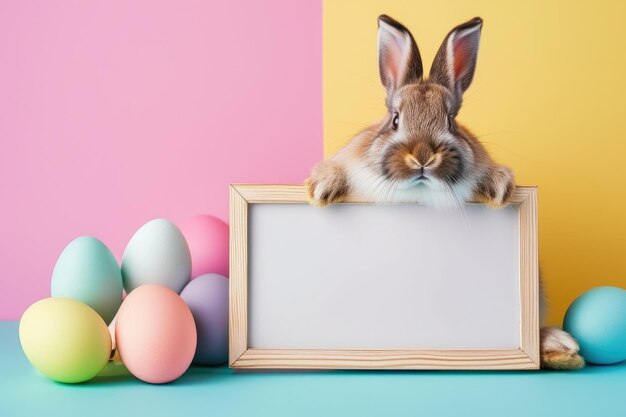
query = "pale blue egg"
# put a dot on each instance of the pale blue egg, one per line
(87, 271)
(157, 254)
(597, 319)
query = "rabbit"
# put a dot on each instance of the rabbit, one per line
(419, 152)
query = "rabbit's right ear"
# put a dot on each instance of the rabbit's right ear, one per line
(455, 61)
(399, 60)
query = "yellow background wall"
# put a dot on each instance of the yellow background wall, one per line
(548, 99)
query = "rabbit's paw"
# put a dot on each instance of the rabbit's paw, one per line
(326, 185)
(498, 188)
(559, 350)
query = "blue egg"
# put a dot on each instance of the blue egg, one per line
(87, 272)
(597, 319)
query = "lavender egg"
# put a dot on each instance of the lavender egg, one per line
(207, 298)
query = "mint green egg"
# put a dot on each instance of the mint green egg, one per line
(87, 271)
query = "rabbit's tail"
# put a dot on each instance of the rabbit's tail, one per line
(559, 350)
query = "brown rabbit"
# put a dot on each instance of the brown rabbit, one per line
(419, 153)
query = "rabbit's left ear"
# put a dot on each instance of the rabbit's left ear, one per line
(399, 60)
(455, 61)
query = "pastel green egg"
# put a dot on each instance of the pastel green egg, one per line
(64, 339)
(87, 271)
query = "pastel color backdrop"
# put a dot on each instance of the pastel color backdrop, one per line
(547, 100)
(114, 113)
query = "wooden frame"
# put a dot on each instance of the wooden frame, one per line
(242, 356)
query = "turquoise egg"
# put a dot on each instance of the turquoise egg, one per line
(597, 319)
(87, 272)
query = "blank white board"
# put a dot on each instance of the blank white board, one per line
(358, 276)
(364, 286)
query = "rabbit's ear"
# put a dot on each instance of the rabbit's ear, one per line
(399, 60)
(455, 61)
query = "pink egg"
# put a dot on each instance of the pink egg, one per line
(207, 237)
(155, 334)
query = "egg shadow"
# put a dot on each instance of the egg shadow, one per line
(112, 373)
(115, 374)
(204, 375)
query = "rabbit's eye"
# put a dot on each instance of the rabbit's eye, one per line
(396, 121)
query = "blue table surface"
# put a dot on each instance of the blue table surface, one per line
(593, 391)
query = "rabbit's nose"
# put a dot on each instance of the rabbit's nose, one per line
(420, 172)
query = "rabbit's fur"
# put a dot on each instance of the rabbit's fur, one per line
(419, 153)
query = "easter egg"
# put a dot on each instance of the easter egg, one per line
(597, 319)
(207, 297)
(155, 334)
(64, 339)
(156, 254)
(207, 237)
(87, 271)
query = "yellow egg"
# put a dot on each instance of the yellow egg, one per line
(65, 339)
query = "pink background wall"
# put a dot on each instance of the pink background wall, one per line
(114, 113)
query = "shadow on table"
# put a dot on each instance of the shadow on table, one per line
(118, 374)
